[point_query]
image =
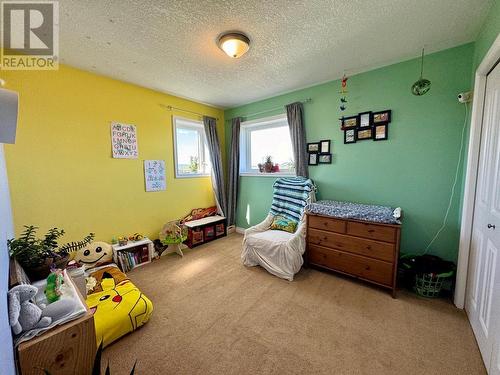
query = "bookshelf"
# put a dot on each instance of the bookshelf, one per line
(134, 254)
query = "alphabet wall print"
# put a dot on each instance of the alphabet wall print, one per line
(124, 141)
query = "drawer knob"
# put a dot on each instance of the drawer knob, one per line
(371, 230)
(367, 268)
(368, 247)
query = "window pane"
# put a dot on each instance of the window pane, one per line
(274, 142)
(188, 151)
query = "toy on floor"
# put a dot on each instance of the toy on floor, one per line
(174, 234)
(95, 253)
(119, 307)
(54, 283)
(159, 248)
(23, 314)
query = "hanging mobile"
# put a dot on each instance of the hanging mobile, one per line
(423, 85)
(343, 91)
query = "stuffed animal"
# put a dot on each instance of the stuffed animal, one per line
(54, 283)
(94, 254)
(23, 314)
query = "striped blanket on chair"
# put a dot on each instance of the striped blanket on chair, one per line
(290, 196)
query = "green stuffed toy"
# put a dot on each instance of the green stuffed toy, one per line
(54, 283)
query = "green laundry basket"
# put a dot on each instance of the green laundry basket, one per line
(430, 284)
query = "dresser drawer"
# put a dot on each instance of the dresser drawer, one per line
(356, 245)
(369, 269)
(326, 223)
(373, 231)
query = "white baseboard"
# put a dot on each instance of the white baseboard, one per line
(240, 230)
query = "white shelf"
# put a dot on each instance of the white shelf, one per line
(131, 245)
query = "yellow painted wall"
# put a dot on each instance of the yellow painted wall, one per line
(61, 172)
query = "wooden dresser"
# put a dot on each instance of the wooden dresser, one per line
(366, 250)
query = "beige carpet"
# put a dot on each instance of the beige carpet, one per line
(212, 315)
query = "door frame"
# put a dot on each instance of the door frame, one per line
(469, 198)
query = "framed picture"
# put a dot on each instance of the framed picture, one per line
(349, 136)
(380, 132)
(313, 147)
(365, 120)
(382, 117)
(313, 159)
(324, 146)
(364, 134)
(325, 158)
(349, 122)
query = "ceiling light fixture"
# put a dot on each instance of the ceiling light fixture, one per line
(234, 44)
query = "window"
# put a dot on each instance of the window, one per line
(263, 138)
(190, 149)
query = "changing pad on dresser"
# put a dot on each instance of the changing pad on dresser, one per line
(356, 211)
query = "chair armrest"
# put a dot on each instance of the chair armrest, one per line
(298, 240)
(261, 227)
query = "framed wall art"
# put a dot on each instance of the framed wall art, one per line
(364, 134)
(365, 120)
(324, 146)
(349, 122)
(382, 117)
(313, 147)
(349, 136)
(380, 132)
(325, 158)
(313, 159)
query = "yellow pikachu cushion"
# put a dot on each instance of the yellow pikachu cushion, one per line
(94, 254)
(118, 310)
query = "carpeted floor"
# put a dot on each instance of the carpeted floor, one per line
(212, 315)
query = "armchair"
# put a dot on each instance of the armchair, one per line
(280, 252)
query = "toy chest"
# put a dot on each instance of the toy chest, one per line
(205, 230)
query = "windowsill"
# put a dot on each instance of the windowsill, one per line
(193, 176)
(275, 174)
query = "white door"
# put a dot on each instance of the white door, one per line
(483, 285)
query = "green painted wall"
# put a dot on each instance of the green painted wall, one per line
(488, 33)
(414, 169)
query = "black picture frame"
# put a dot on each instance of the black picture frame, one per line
(312, 144)
(386, 132)
(378, 121)
(349, 122)
(362, 130)
(327, 141)
(328, 157)
(315, 161)
(361, 115)
(354, 136)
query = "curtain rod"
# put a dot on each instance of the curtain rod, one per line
(172, 108)
(307, 100)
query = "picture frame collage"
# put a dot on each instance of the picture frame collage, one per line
(366, 125)
(319, 152)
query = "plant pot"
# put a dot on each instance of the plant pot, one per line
(41, 272)
(268, 167)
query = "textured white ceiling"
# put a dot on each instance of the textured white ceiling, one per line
(170, 46)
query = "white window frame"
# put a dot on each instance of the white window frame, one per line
(187, 123)
(245, 147)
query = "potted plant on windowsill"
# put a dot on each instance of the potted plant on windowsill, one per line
(36, 255)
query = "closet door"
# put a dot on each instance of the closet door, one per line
(483, 286)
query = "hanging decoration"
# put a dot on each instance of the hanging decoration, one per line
(343, 91)
(423, 85)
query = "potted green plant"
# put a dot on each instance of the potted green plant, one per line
(268, 165)
(37, 255)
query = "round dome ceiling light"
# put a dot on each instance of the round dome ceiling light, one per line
(234, 44)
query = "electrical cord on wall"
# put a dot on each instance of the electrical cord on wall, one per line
(454, 184)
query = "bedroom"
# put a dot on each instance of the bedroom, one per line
(306, 69)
